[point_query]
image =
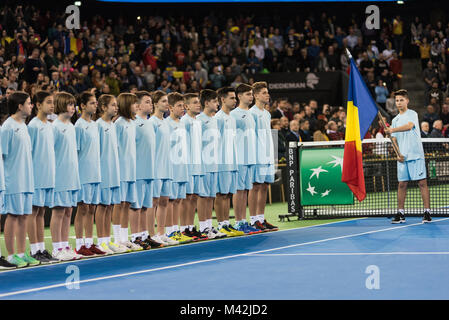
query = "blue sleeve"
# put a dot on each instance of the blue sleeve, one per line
(79, 137)
(6, 138)
(32, 133)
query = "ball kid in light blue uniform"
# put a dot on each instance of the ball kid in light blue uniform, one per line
(405, 128)
(19, 180)
(211, 158)
(44, 169)
(164, 173)
(88, 146)
(126, 137)
(110, 173)
(67, 181)
(195, 185)
(264, 169)
(179, 161)
(145, 170)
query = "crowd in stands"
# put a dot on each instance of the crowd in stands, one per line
(111, 55)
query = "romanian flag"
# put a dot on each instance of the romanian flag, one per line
(361, 111)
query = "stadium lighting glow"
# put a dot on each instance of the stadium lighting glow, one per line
(400, 2)
(78, 3)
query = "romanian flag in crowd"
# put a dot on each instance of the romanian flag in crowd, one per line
(361, 111)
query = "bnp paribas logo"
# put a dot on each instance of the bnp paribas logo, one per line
(321, 183)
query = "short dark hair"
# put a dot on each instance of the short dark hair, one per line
(242, 88)
(189, 96)
(223, 92)
(84, 97)
(258, 86)
(142, 93)
(15, 99)
(174, 97)
(124, 102)
(40, 96)
(401, 92)
(207, 95)
(157, 95)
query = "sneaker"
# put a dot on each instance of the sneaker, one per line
(190, 234)
(219, 234)
(269, 226)
(226, 231)
(83, 251)
(251, 229)
(49, 257)
(40, 257)
(117, 248)
(30, 260)
(63, 255)
(70, 253)
(209, 234)
(18, 262)
(141, 243)
(200, 236)
(159, 239)
(96, 250)
(235, 231)
(132, 246)
(183, 238)
(153, 244)
(426, 218)
(168, 240)
(398, 218)
(6, 265)
(105, 248)
(258, 225)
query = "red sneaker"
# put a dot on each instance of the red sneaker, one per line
(85, 252)
(95, 250)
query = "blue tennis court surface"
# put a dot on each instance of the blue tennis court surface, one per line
(355, 259)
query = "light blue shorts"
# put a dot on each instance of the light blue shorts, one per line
(128, 191)
(412, 170)
(90, 193)
(18, 203)
(144, 194)
(195, 186)
(43, 197)
(263, 173)
(2, 202)
(110, 196)
(162, 188)
(178, 190)
(65, 199)
(245, 177)
(210, 182)
(227, 182)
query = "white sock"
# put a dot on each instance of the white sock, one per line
(65, 244)
(226, 223)
(402, 211)
(34, 248)
(108, 239)
(203, 225)
(9, 258)
(260, 217)
(175, 228)
(89, 242)
(168, 231)
(41, 246)
(134, 236)
(144, 235)
(253, 219)
(221, 225)
(116, 231)
(20, 255)
(183, 228)
(427, 210)
(191, 227)
(79, 243)
(124, 234)
(209, 223)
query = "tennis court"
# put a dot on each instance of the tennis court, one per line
(366, 258)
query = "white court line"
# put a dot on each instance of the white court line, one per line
(209, 260)
(350, 254)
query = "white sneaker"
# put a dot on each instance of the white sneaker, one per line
(132, 246)
(218, 233)
(168, 240)
(60, 255)
(71, 254)
(104, 247)
(158, 238)
(210, 234)
(117, 248)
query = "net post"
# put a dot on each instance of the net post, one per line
(293, 194)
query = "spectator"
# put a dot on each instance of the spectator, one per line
(444, 115)
(430, 75)
(33, 66)
(201, 75)
(304, 130)
(217, 79)
(437, 131)
(390, 105)
(431, 116)
(281, 110)
(381, 93)
(436, 93)
(294, 129)
(424, 129)
(320, 132)
(332, 131)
